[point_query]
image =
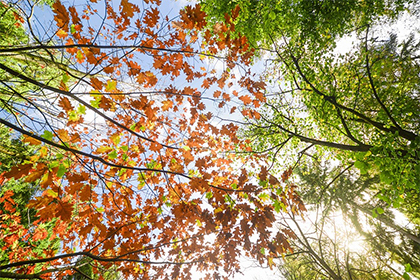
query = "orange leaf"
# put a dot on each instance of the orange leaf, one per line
(30, 140)
(65, 210)
(96, 83)
(152, 17)
(19, 171)
(74, 16)
(155, 147)
(85, 193)
(104, 149)
(246, 99)
(167, 104)
(61, 17)
(62, 34)
(217, 94)
(128, 9)
(35, 175)
(64, 135)
(47, 180)
(64, 102)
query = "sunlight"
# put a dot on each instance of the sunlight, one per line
(356, 245)
(345, 234)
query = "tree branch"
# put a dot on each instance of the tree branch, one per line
(372, 85)
(403, 133)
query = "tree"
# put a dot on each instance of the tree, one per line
(313, 24)
(361, 103)
(331, 191)
(324, 251)
(133, 169)
(356, 108)
(20, 230)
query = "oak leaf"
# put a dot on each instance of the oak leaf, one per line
(30, 140)
(246, 99)
(128, 9)
(19, 171)
(61, 16)
(167, 104)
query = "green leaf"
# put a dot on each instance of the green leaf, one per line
(263, 196)
(272, 15)
(72, 29)
(61, 171)
(53, 164)
(408, 267)
(277, 206)
(95, 103)
(65, 78)
(362, 166)
(73, 116)
(406, 276)
(209, 195)
(48, 135)
(263, 183)
(113, 155)
(379, 210)
(374, 213)
(81, 109)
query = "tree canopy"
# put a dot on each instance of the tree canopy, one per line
(357, 107)
(148, 146)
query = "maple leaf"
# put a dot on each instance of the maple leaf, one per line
(111, 86)
(74, 15)
(64, 210)
(31, 140)
(33, 176)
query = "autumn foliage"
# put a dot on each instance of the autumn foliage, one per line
(135, 163)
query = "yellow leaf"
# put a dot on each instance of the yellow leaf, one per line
(62, 34)
(218, 210)
(111, 85)
(104, 149)
(198, 222)
(30, 140)
(167, 104)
